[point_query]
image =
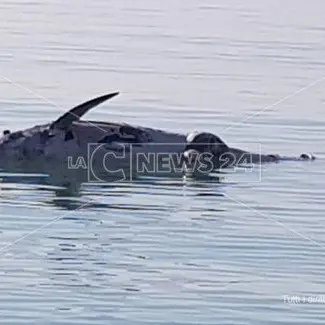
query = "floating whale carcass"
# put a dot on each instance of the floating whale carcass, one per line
(99, 151)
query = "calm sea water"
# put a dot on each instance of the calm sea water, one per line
(250, 250)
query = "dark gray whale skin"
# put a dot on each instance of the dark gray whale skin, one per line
(48, 148)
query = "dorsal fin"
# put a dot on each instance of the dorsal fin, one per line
(64, 121)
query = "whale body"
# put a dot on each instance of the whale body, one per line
(70, 147)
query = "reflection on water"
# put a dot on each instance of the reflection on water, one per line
(26, 188)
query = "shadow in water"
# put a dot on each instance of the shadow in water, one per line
(38, 189)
